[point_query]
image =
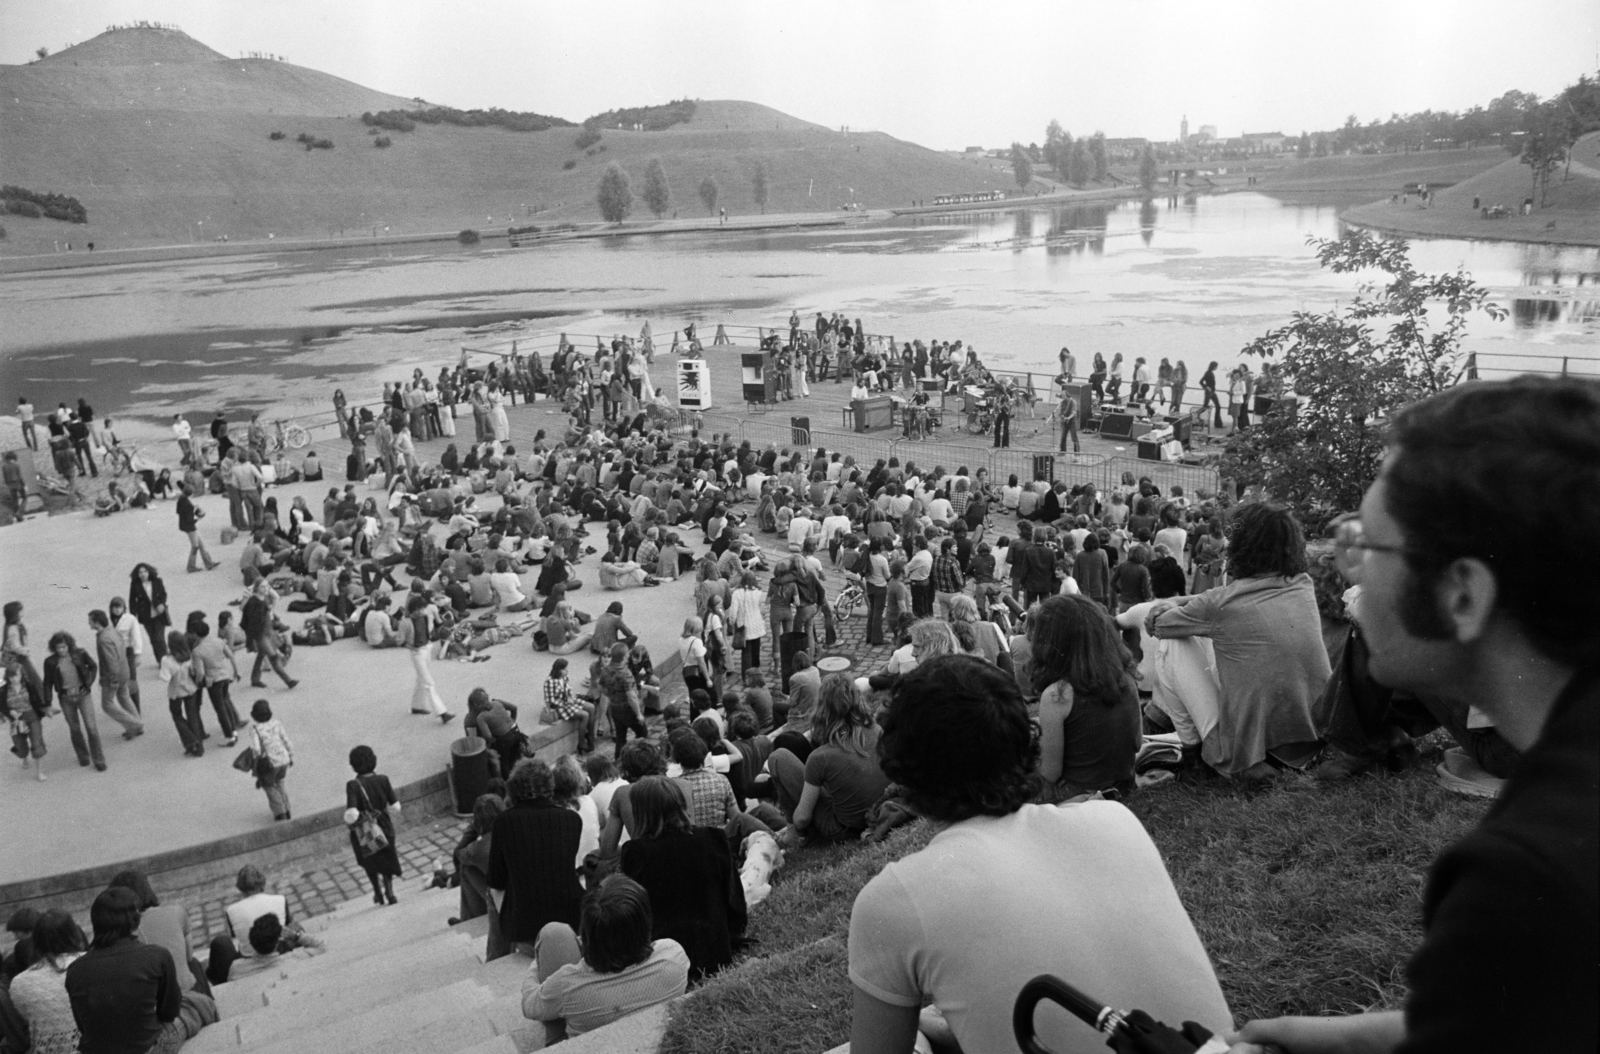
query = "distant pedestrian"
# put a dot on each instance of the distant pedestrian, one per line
(274, 757)
(189, 516)
(25, 418)
(147, 601)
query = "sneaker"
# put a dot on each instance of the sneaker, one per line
(289, 684)
(1340, 767)
(1462, 775)
(444, 719)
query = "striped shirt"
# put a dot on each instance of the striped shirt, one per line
(710, 797)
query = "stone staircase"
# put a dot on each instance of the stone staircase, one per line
(398, 980)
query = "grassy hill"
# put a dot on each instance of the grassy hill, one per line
(166, 141)
(1571, 215)
(1363, 177)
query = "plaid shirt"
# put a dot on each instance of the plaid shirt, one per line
(709, 795)
(558, 699)
(947, 576)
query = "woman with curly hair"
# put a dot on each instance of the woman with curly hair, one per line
(1005, 886)
(1267, 633)
(147, 602)
(1089, 725)
(827, 796)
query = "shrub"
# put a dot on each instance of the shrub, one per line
(2, 232)
(530, 229)
(653, 118)
(469, 237)
(381, 141)
(569, 163)
(313, 143)
(511, 120)
(277, 135)
(586, 138)
(23, 202)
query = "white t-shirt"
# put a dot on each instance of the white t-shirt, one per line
(242, 914)
(1174, 538)
(940, 509)
(602, 792)
(799, 530)
(588, 999)
(833, 527)
(1078, 891)
(508, 587)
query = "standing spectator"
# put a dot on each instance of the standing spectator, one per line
(274, 757)
(69, 672)
(40, 991)
(1267, 634)
(249, 481)
(25, 417)
(185, 437)
(78, 433)
(949, 581)
(695, 893)
(22, 706)
(256, 620)
(125, 993)
(828, 794)
(919, 578)
(66, 464)
(929, 928)
(147, 600)
(215, 656)
(1092, 571)
(183, 674)
(133, 642)
(16, 485)
(744, 613)
(114, 675)
(189, 516)
(370, 797)
(416, 633)
(621, 696)
(531, 877)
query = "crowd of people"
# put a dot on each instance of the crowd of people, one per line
(1040, 633)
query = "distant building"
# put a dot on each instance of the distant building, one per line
(1264, 142)
(1207, 131)
(973, 150)
(1126, 149)
(1183, 129)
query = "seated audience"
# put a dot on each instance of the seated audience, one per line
(827, 795)
(1089, 722)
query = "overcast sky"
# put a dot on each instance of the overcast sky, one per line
(938, 72)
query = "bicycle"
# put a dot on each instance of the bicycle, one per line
(284, 435)
(121, 458)
(844, 605)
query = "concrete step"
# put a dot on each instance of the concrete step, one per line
(444, 1019)
(249, 993)
(301, 1002)
(635, 1034)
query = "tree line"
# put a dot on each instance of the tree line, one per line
(615, 193)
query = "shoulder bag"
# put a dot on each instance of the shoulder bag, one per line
(368, 831)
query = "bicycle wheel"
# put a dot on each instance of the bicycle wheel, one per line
(119, 461)
(844, 606)
(297, 438)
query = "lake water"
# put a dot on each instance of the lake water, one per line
(1192, 279)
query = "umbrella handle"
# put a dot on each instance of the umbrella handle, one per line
(1043, 987)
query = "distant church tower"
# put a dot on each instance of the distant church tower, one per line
(1183, 130)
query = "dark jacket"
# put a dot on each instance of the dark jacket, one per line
(142, 605)
(255, 618)
(123, 995)
(1509, 915)
(52, 672)
(696, 897)
(533, 857)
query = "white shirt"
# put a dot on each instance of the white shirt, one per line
(920, 566)
(799, 530)
(508, 587)
(132, 634)
(181, 429)
(833, 527)
(940, 509)
(602, 792)
(930, 927)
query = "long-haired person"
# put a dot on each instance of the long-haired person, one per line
(22, 707)
(1089, 724)
(1267, 633)
(147, 602)
(1008, 890)
(40, 992)
(694, 887)
(827, 795)
(69, 673)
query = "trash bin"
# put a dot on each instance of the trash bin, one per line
(469, 772)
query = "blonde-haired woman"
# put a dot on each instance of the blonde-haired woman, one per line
(692, 651)
(827, 796)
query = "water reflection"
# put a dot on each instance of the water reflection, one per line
(1147, 220)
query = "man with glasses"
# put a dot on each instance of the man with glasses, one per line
(1478, 584)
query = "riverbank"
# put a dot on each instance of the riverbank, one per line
(1059, 197)
(24, 264)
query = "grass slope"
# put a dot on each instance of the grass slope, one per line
(1379, 173)
(1572, 213)
(1306, 895)
(169, 152)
